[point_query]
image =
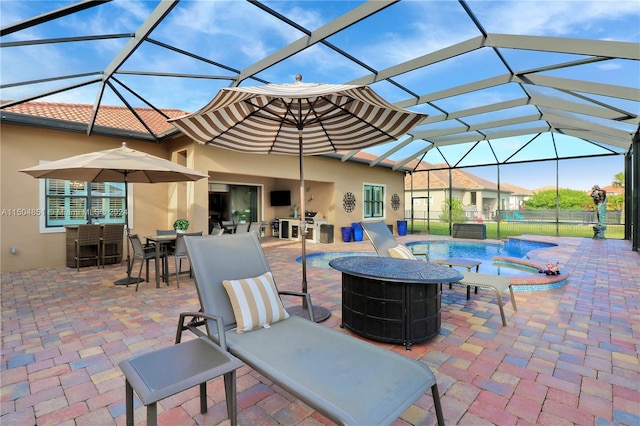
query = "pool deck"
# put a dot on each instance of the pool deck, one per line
(568, 355)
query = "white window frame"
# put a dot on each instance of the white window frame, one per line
(42, 203)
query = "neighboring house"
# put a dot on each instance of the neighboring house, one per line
(241, 184)
(479, 196)
(614, 190)
(517, 197)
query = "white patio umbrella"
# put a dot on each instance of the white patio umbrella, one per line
(116, 165)
(297, 119)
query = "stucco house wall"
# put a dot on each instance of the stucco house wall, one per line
(156, 206)
(464, 185)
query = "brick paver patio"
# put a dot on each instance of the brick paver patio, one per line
(568, 355)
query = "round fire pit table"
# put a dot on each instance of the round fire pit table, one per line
(390, 299)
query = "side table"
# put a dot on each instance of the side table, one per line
(167, 371)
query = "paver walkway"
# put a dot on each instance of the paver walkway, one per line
(568, 355)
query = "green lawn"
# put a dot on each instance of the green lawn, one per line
(514, 229)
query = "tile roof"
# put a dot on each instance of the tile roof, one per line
(439, 179)
(516, 190)
(117, 117)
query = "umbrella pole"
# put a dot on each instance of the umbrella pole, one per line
(319, 313)
(303, 222)
(128, 280)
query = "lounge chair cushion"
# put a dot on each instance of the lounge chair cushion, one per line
(401, 252)
(255, 302)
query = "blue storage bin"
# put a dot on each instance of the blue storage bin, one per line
(357, 231)
(402, 227)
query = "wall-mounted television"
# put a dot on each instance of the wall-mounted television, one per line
(280, 198)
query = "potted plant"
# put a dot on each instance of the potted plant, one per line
(181, 225)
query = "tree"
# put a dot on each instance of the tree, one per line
(457, 211)
(569, 199)
(618, 179)
(615, 202)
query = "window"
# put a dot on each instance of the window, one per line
(373, 201)
(76, 202)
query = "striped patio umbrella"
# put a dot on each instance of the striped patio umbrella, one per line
(297, 119)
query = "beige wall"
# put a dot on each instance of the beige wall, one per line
(156, 206)
(21, 147)
(327, 179)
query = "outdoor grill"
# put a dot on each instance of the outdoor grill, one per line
(313, 226)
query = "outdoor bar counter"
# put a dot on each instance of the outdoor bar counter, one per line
(390, 299)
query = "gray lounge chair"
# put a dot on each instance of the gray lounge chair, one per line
(348, 380)
(385, 243)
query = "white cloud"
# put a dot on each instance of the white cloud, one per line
(609, 66)
(555, 18)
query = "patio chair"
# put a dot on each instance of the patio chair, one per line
(229, 226)
(145, 253)
(348, 380)
(256, 228)
(385, 243)
(111, 242)
(180, 253)
(87, 244)
(242, 228)
(215, 228)
(169, 247)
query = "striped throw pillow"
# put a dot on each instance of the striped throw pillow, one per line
(401, 252)
(255, 302)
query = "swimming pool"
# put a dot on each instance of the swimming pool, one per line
(483, 252)
(474, 250)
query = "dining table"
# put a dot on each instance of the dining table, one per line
(160, 241)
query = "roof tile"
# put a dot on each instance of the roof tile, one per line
(118, 117)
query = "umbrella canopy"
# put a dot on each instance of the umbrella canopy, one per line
(269, 119)
(116, 165)
(297, 119)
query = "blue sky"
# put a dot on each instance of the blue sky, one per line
(238, 34)
(580, 174)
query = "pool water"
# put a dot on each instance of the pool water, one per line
(480, 251)
(484, 252)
